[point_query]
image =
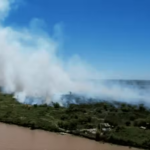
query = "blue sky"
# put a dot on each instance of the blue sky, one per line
(112, 35)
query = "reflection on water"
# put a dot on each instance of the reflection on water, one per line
(18, 138)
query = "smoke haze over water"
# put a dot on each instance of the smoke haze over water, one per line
(31, 68)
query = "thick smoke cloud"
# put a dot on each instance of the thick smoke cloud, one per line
(31, 68)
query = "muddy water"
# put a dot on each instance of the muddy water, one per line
(18, 138)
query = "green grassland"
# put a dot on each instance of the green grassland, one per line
(129, 124)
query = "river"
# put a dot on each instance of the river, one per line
(18, 138)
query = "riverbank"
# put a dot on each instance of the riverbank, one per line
(122, 125)
(13, 137)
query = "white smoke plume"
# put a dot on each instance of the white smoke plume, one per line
(30, 67)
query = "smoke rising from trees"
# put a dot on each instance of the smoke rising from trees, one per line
(30, 67)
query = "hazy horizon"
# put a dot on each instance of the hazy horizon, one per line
(48, 49)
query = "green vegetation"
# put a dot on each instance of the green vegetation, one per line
(128, 125)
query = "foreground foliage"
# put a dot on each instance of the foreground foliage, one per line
(130, 125)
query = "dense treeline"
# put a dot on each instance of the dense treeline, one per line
(130, 125)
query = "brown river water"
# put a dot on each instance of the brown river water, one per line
(19, 138)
